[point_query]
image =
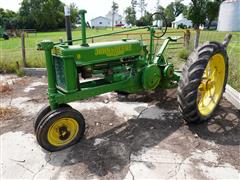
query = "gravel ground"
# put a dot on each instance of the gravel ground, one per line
(142, 137)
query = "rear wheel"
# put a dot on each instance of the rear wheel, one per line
(60, 129)
(203, 82)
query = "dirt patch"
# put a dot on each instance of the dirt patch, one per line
(7, 113)
(107, 153)
(100, 120)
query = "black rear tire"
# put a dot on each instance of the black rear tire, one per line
(191, 78)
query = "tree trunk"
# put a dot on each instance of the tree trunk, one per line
(113, 20)
(196, 38)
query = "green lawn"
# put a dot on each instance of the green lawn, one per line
(10, 51)
(233, 53)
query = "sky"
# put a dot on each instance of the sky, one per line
(94, 8)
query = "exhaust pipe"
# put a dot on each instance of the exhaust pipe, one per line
(226, 40)
(67, 13)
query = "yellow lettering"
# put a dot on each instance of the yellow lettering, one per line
(113, 51)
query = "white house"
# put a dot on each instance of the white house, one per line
(181, 20)
(101, 21)
(117, 18)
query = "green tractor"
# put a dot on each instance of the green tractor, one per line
(3, 34)
(125, 66)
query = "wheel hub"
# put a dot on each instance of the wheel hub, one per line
(206, 85)
(63, 133)
(211, 86)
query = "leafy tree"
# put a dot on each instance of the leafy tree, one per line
(8, 19)
(42, 14)
(212, 11)
(142, 6)
(197, 12)
(173, 10)
(74, 13)
(130, 16)
(130, 13)
(134, 4)
(144, 20)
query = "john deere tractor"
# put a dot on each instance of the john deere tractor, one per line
(3, 34)
(81, 71)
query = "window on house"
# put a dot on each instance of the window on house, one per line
(100, 22)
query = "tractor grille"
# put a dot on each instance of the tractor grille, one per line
(59, 68)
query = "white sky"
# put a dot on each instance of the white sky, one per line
(94, 7)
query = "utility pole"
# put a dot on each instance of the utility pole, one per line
(113, 14)
(114, 10)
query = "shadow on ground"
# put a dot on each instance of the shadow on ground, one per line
(111, 155)
(223, 128)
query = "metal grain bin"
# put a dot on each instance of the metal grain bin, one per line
(229, 16)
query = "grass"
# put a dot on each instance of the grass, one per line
(10, 51)
(233, 53)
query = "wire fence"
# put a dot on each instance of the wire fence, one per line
(233, 51)
(11, 50)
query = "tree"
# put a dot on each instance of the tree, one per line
(42, 14)
(173, 10)
(130, 13)
(159, 9)
(8, 19)
(130, 17)
(144, 20)
(114, 11)
(74, 13)
(212, 11)
(197, 14)
(142, 6)
(134, 4)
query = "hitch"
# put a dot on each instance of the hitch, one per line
(226, 40)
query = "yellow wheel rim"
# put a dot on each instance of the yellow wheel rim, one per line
(62, 131)
(211, 87)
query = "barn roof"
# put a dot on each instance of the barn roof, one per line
(100, 17)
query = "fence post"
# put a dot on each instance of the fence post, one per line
(196, 38)
(187, 36)
(23, 50)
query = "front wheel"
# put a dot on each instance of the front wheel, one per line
(203, 82)
(60, 129)
(43, 112)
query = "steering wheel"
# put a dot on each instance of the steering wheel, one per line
(159, 21)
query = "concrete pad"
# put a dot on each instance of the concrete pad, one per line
(135, 139)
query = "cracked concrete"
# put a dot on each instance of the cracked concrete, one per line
(143, 137)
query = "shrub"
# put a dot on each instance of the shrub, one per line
(183, 54)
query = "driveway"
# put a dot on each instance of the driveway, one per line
(142, 137)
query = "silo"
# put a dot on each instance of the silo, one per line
(229, 16)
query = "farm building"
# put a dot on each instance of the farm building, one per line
(229, 16)
(106, 21)
(181, 20)
(117, 18)
(101, 21)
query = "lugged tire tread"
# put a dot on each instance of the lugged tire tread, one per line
(191, 78)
